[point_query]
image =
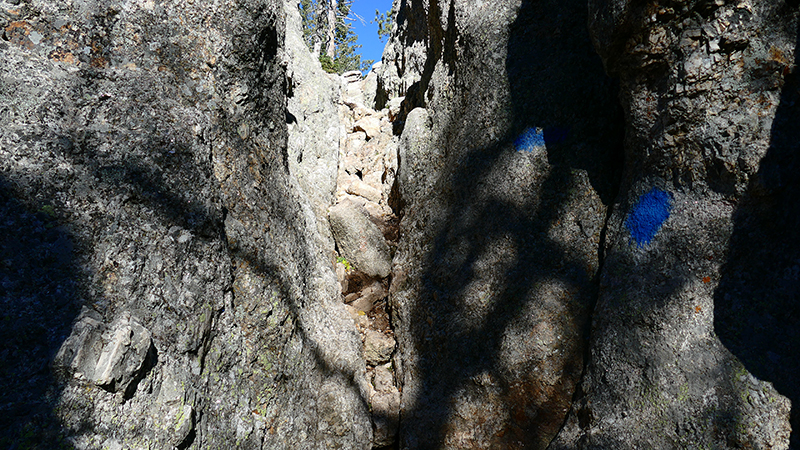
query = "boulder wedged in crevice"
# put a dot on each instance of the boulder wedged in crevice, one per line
(359, 240)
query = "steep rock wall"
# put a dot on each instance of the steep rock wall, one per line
(165, 243)
(683, 318)
(708, 89)
(314, 126)
(506, 167)
(151, 138)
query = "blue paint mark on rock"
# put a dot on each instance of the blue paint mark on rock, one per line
(648, 215)
(530, 140)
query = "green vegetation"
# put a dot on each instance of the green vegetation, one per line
(384, 22)
(344, 261)
(328, 32)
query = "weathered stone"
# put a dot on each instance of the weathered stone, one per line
(394, 107)
(364, 304)
(365, 299)
(362, 189)
(151, 137)
(313, 125)
(500, 237)
(374, 292)
(385, 401)
(369, 125)
(109, 356)
(352, 87)
(659, 375)
(359, 318)
(354, 143)
(371, 85)
(359, 240)
(341, 275)
(406, 53)
(383, 379)
(123, 357)
(169, 166)
(378, 347)
(183, 424)
(416, 153)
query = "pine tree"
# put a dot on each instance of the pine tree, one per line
(328, 32)
(384, 22)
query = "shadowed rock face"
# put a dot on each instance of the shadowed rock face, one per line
(568, 273)
(701, 86)
(506, 159)
(153, 138)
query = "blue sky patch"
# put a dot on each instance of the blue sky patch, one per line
(648, 215)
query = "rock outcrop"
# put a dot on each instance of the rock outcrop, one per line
(701, 85)
(152, 137)
(517, 220)
(507, 154)
(313, 121)
(519, 231)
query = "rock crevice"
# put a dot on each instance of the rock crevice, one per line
(487, 242)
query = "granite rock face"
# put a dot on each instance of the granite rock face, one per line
(405, 54)
(510, 132)
(359, 240)
(596, 245)
(313, 122)
(110, 357)
(708, 89)
(497, 249)
(144, 164)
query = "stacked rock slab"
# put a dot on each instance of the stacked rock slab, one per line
(150, 137)
(701, 85)
(365, 228)
(509, 133)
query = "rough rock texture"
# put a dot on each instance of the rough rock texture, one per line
(500, 236)
(378, 348)
(359, 240)
(145, 177)
(404, 56)
(708, 89)
(166, 265)
(313, 121)
(385, 401)
(371, 86)
(110, 357)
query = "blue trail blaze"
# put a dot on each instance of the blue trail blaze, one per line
(529, 140)
(648, 215)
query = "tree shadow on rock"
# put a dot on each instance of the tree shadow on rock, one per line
(757, 302)
(507, 267)
(40, 298)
